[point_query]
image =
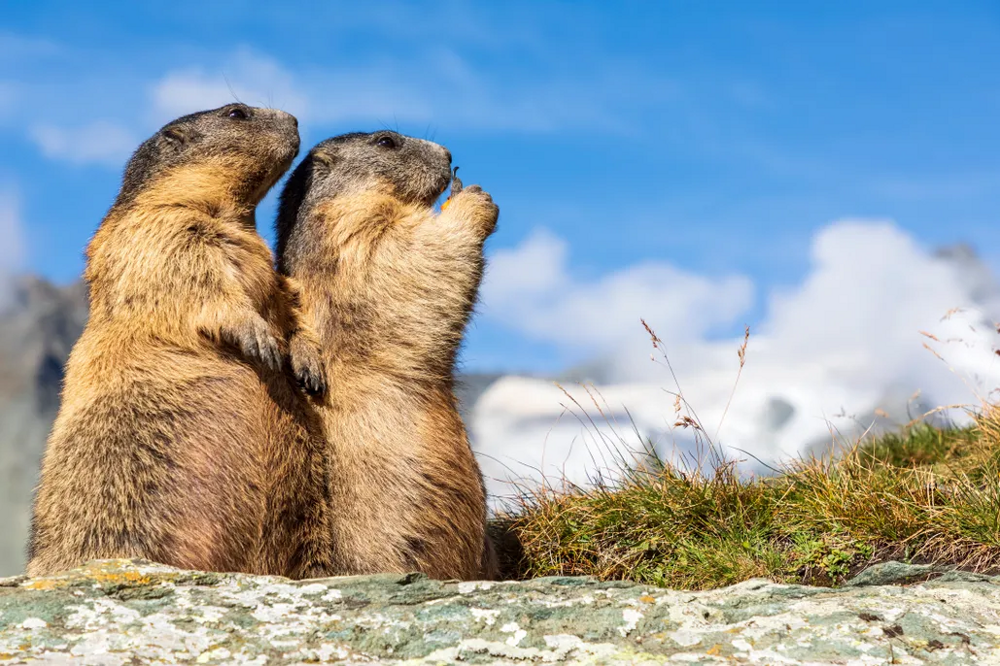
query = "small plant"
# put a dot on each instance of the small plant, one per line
(925, 494)
(815, 522)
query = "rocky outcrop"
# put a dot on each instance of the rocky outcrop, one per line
(121, 612)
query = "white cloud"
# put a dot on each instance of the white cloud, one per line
(871, 291)
(531, 287)
(100, 142)
(426, 88)
(842, 344)
(361, 91)
(435, 86)
(534, 269)
(246, 77)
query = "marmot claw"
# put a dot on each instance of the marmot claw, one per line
(310, 379)
(307, 366)
(257, 343)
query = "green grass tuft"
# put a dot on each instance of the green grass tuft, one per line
(925, 495)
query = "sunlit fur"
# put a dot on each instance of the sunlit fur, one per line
(390, 286)
(174, 443)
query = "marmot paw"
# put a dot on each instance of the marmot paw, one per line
(257, 342)
(476, 203)
(309, 369)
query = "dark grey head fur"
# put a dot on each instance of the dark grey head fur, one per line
(260, 143)
(413, 170)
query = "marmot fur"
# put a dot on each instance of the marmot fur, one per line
(389, 286)
(179, 438)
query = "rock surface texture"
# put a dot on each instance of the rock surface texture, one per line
(121, 612)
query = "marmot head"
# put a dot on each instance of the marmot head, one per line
(252, 148)
(412, 170)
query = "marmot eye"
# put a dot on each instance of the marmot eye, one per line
(386, 142)
(238, 114)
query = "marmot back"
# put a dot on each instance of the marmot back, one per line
(179, 438)
(390, 286)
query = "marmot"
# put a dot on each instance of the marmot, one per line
(389, 287)
(179, 438)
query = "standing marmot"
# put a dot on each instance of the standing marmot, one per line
(389, 286)
(179, 439)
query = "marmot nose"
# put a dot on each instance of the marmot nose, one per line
(284, 116)
(447, 153)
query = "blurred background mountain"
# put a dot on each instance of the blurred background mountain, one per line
(38, 327)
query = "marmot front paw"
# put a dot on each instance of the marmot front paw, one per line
(256, 341)
(308, 367)
(477, 205)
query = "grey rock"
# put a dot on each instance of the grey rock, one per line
(122, 612)
(898, 573)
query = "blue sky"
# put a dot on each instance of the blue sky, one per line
(715, 138)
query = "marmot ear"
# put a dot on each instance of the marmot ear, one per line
(175, 137)
(323, 159)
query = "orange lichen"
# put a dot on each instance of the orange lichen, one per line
(130, 578)
(46, 584)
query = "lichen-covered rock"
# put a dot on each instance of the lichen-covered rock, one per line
(121, 612)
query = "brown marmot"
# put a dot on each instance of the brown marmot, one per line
(179, 438)
(389, 286)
